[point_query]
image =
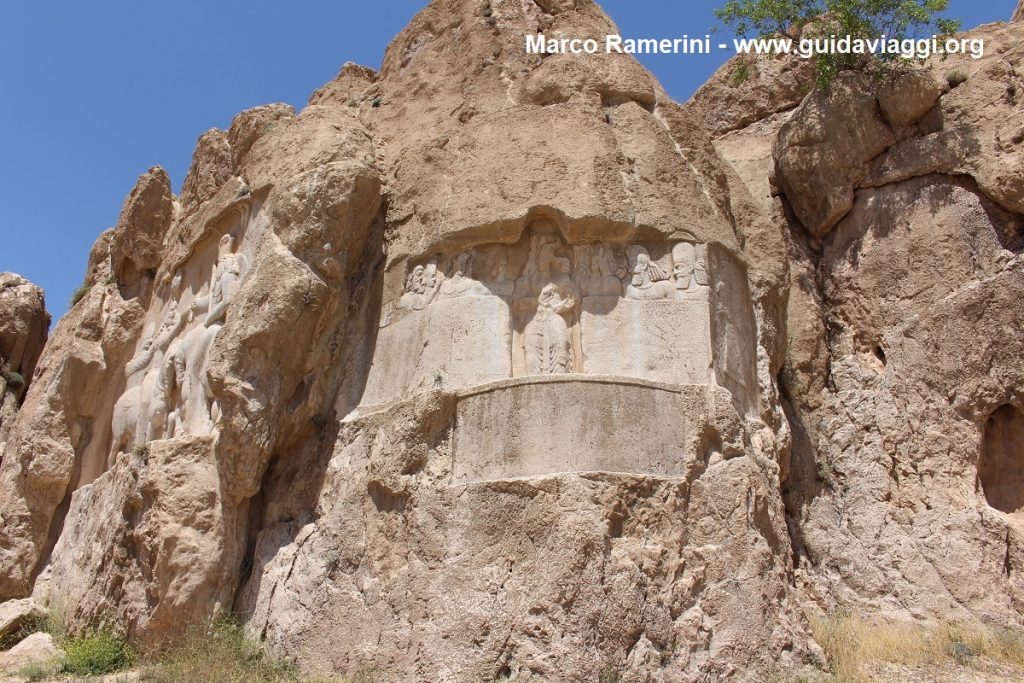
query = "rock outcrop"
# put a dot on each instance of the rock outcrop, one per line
(24, 324)
(37, 652)
(901, 375)
(504, 365)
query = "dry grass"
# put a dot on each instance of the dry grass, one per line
(219, 654)
(853, 644)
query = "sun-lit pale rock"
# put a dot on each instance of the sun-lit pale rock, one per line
(24, 324)
(493, 365)
(37, 650)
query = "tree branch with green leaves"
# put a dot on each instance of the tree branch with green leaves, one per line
(858, 19)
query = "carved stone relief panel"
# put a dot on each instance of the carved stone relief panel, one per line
(167, 388)
(733, 333)
(544, 307)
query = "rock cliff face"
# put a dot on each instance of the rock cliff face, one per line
(24, 324)
(494, 364)
(901, 374)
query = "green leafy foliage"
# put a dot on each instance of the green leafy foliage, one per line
(77, 295)
(859, 19)
(956, 78)
(94, 654)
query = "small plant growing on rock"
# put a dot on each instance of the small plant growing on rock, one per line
(243, 191)
(331, 560)
(742, 74)
(78, 295)
(375, 103)
(955, 78)
(13, 379)
(141, 452)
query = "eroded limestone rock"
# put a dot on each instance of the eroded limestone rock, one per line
(17, 616)
(821, 152)
(24, 325)
(493, 365)
(37, 650)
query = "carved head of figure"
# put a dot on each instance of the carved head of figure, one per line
(415, 281)
(429, 276)
(683, 255)
(606, 261)
(226, 245)
(463, 264)
(645, 271)
(562, 266)
(549, 299)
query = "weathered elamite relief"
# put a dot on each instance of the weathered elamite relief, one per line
(167, 390)
(544, 307)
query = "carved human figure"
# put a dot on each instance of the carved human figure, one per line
(461, 283)
(596, 270)
(700, 265)
(413, 287)
(541, 265)
(131, 414)
(683, 255)
(548, 346)
(197, 410)
(648, 280)
(688, 266)
(495, 271)
(420, 287)
(429, 286)
(125, 417)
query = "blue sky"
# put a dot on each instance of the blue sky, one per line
(94, 93)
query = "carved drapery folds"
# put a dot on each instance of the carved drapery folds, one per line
(541, 306)
(167, 390)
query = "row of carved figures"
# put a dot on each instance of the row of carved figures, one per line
(598, 273)
(167, 387)
(549, 289)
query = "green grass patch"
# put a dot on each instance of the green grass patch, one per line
(95, 654)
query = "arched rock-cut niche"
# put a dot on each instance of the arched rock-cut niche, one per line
(1001, 466)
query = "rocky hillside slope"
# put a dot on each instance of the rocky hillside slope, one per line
(493, 364)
